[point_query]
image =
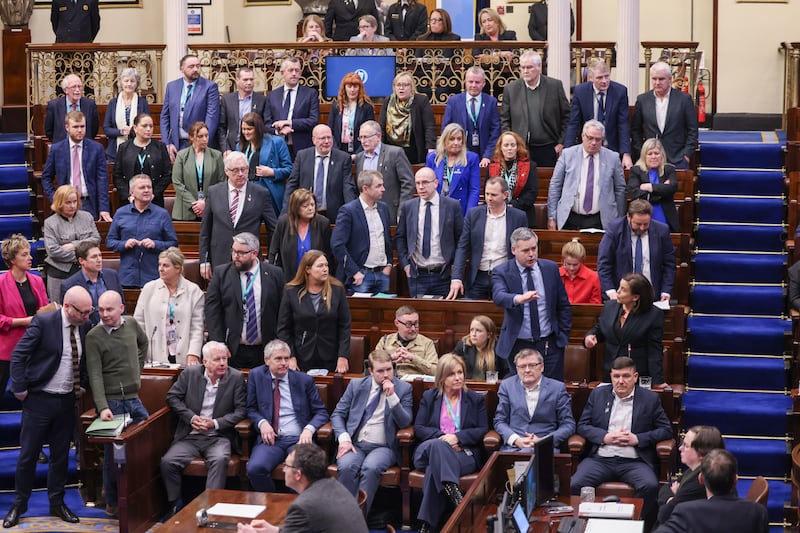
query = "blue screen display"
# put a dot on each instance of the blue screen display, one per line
(377, 73)
(521, 519)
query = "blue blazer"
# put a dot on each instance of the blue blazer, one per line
(618, 130)
(450, 224)
(305, 114)
(615, 256)
(474, 421)
(56, 112)
(506, 283)
(202, 106)
(111, 280)
(308, 407)
(465, 184)
(110, 125)
(350, 238)
(553, 412)
(470, 245)
(649, 421)
(488, 121)
(58, 172)
(350, 410)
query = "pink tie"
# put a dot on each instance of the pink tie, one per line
(76, 169)
(234, 206)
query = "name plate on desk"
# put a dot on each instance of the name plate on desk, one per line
(606, 510)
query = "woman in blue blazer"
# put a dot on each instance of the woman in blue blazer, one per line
(457, 169)
(348, 112)
(451, 423)
(273, 164)
(118, 121)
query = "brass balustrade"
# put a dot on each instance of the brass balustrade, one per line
(681, 56)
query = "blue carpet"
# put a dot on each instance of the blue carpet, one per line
(738, 413)
(744, 238)
(9, 428)
(13, 177)
(739, 268)
(743, 182)
(8, 467)
(759, 457)
(741, 155)
(12, 152)
(770, 137)
(779, 492)
(741, 210)
(728, 300)
(20, 224)
(763, 336)
(719, 372)
(39, 505)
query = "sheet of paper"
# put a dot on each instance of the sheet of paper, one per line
(236, 510)
(604, 525)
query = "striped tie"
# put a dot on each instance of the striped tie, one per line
(234, 206)
(76, 365)
(251, 333)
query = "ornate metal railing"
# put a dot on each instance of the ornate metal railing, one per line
(681, 56)
(791, 77)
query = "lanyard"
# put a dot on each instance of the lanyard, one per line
(142, 157)
(171, 304)
(456, 416)
(474, 118)
(199, 167)
(246, 292)
(448, 172)
(248, 153)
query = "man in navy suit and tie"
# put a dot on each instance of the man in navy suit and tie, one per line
(637, 243)
(285, 407)
(365, 423)
(426, 238)
(605, 101)
(233, 106)
(73, 100)
(485, 241)
(75, 21)
(189, 99)
(79, 162)
(531, 406)
(92, 277)
(537, 312)
(477, 113)
(48, 374)
(292, 110)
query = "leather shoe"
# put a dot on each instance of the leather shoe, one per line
(12, 518)
(63, 512)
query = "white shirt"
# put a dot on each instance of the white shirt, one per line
(256, 270)
(377, 245)
(494, 241)
(661, 110)
(374, 428)
(436, 258)
(207, 407)
(578, 205)
(242, 195)
(621, 418)
(61, 382)
(645, 253)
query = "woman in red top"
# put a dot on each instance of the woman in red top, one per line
(511, 163)
(581, 282)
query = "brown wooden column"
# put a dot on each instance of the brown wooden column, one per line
(15, 82)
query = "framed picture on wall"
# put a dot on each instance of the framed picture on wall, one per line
(102, 3)
(194, 17)
(267, 2)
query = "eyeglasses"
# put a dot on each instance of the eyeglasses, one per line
(365, 137)
(437, 20)
(287, 465)
(239, 170)
(529, 366)
(82, 313)
(409, 324)
(73, 87)
(240, 253)
(402, 85)
(528, 67)
(422, 183)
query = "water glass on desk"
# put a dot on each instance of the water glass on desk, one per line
(491, 377)
(645, 382)
(587, 494)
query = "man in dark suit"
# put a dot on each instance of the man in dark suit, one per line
(365, 423)
(232, 207)
(73, 100)
(542, 130)
(334, 186)
(293, 109)
(341, 18)
(587, 189)
(75, 21)
(79, 162)
(605, 101)
(722, 511)
(279, 429)
(233, 106)
(249, 277)
(537, 311)
(667, 114)
(485, 240)
(206, 426)
(92, 277)
(427, 234)
(624, 248)
(531, 406)
(48, 380)
(477, 113)
(622, 424)
(364, 267)
(391, 162)
(190, 98)
(406, 20)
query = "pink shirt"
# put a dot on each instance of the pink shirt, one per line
(447, 423)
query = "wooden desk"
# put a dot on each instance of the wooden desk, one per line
(185, 521)
(546, 523)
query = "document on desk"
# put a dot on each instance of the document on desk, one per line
(236, 510)
(606, 510)
(603, 525)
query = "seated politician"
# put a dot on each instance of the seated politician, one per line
(412, 352)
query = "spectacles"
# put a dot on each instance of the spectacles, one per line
(402, 85)
(409, 324)
(82, 313)
(240, 170)
(423, 183)
(240, 253)
(365, 137)
(72, 87)
(529, 366)
(528, 67)
(437, 20)
(287, 465)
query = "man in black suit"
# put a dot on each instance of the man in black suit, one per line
(341, 18)
(48, 373)
(406, 20)
(75, 21)
(722, 511)
(232, 207)
(233, 106)
(622, 424)
(73, 100)
(292, 110)
(246, 276)
(92, 277)
(427, 234)
(206, 426)
(334, 186)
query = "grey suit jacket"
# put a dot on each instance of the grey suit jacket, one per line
(565, 183)
(398, 177)
(184, 179)
(228, 130)
(554, 115)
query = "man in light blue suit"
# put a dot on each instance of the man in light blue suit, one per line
(365, 423)
(531, 406)
(587, 189)
(426, 238)
(190, 98)
(477, 113)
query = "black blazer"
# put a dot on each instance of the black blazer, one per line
(718, 513)
(364, 112)
(283, 244)
(663, 194)
(56, 114)
(75, 22)
(640, 339)
(317, 337)
(341, 18)
(414, 25)
(423, 129)
(157, 165)
(688, 490)
(340, 187)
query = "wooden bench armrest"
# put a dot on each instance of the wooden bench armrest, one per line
(576, 444)
(664, 449)
(325, 432)
(492, 441)
(405, 436)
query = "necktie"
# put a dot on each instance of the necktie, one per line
(234, 206)
(426, 231)
(189, 89)
(472, 107)
(73, 107)
(319, 182)
(638, 259)
(76, 365)
(252, 320)
(588, 197)
(76, 169)
(276, 405)
(601, 107)
(534, 309)
(369, 410)
(287, 102)
(404, 9)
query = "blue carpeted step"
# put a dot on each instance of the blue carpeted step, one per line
(761, 336)
(748, 238)
(741, 155)
(738, 413)
(9, 428)
(739, 136)
(13, 177)
(752, 182)
(738, 300)
(15, 202)
(12, 152)
(8, 467)
(749, 373)
(739, 268)
(742, 210)
(18, 224)
(759, 457)
(779, 492)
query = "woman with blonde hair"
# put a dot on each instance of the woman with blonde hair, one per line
(492, 29)
(653, 179)
(299, 230)
(407, 121)
(477, 349)
(581, 282)
(348, 112)
(457, 169)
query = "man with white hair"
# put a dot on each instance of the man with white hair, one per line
(73, 100)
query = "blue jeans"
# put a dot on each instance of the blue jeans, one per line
(135, 409)
(373, 282)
